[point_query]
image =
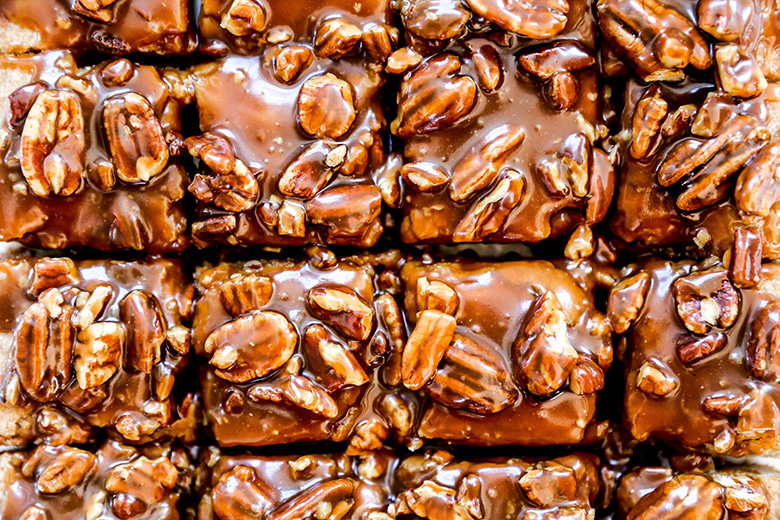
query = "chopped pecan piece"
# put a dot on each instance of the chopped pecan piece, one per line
(480, 166)
(555, 65)
(339, 365)
(652, 379)
(214, 150)
(550, 484)
(139, 484)
(489, 213)
(743, 494)
(434, 19)
(758, 416)
(53, 144)
(21, 100)
(92, 307)
(326, 106)
(706, 299)
(245, 293)
(342, 308)
(290, 61)
(649, 116)
(424, 176)
(44, 350)
(117, 72)
(347, 210)
(434, 96)
(470, 495)
(544, 356)
(240, 495)
(98, 352)
(726, 405)
(336, 38)
(379, 41)
(538, 19)
(34, 513)
(251, 346)
(431, 500)
(135, 137)
(244, 17)
(311, 170)
(692, 349)
(746, 255)
(68, 469)
(145, 325)
(306, 394)
(472, 377)
(657, 39)
(426, 347)
(437, 296)
(490, 72)
(236, 191)
(739, 72)
(586, 377)
(725, 21)
(758, 185)
(763, 348)
(330, 499)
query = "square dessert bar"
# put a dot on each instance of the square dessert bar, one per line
(109, 26)
(381, 486)
(302, 351)
(335, 26)
(507, 352)
(114, 481)
(502, 123)
(292, 150)
(703, 365)
(87, 345)
(738, 492)
(89, 156)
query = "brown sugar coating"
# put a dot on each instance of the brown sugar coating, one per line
(732, 493)
(508, 352)
(702, 361)
(88, 345)
(379, 486)
(109, 26)
(301, 351)
(292, 146)
(89, 155)
(245, 26)
(115, 481)
(501, 133)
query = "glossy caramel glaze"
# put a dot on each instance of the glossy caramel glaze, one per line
(127, 215)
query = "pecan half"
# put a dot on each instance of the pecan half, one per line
(544, 356)
(53, 144)
(347, 210)
(472, 377)
(434, 19)
(480, 166)
(490, 72)
(424, 176)
(763, 347)
(311, 170)
(649, 116)
(725, 21)
(706, 299)
(305, 393)
(244, 17)
(657, 40)
(758, 185)
(684, 496)
(489, 213)
(743, 494)
(333, 364)
(326, 106)
(342, 308)
(379, 40)
(135, 137)
(692, 349)
(538, 19)
(139, 484)
(434, 96)
(330, 499)
(426, 347)
(251, 346)
(241, 495)
(235, 191)
(145, 325)
(746, 255)
(68, 469)
(44, 350)
(726, 405)
(758, 416)
(98, 352)
(437, 296)
(337, 38)
(49, 273)
(244, 293)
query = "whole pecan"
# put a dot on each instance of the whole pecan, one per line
(537, 19)
(145, 325)
(705, 299)
(433, 96)
(342, 308)
(44, 349)
(245, 293)
(543, 355)
(426, 347)
(326, 106)
(241, 495)
(53, 144)
(251, 346)
(763, 347)
(135, 137)
(472, 377)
